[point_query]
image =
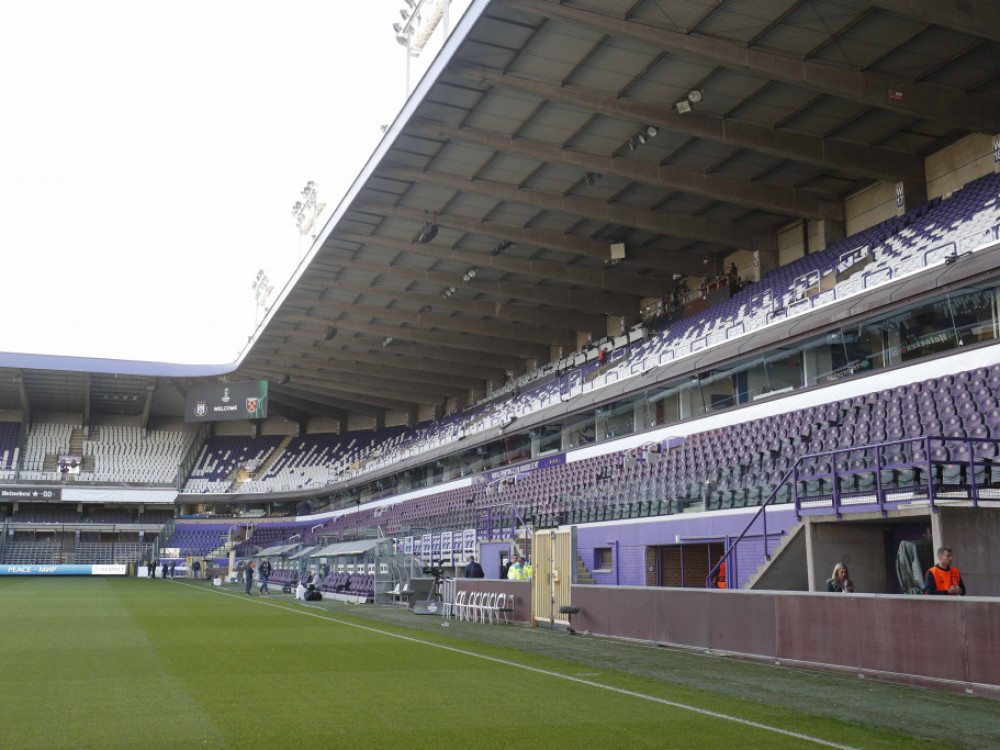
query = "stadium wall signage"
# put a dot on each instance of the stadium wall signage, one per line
(63, 570)
(214, 402)
(30, 493)
(513, 471)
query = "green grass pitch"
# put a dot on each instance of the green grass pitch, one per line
(127, 663)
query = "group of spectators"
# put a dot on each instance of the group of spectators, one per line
(943, 579)
(517, 568)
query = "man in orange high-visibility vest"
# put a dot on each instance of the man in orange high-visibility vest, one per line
(943, 578)
(720, 576)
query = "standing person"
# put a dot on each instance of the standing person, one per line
(474, 569)
(840, 582)
(516, 570)
(196, 569)
(944, 579)
(264, 573)
(526, 569)
(505, 568)
(166, 570)
(300, 589)
(248, 577)
(173, 569)
(150, 569)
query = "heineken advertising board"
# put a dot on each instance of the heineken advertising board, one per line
(217, 401)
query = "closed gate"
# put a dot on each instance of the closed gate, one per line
(555, 552)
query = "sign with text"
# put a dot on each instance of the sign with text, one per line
(63, 570)
(510, 472)
(219, 401)
(30, 493)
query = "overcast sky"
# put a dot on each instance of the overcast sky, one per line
(150, 153)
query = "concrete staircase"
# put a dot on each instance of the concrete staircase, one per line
(275, 455)
(787, 570)
(583, 576)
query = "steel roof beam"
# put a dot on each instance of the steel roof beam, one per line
(501, 354)
(493, 329)
(429, 358)
(376, 393)
(842, 156)
(401, 370)
(786, 201)
(478, 342)
(362, 404)
(663, 260)
(727, 235)
(609, 303)
(435, 393)
(547, 317)
(976, 18)
(959, 108)
(618, 280)
(311, 406)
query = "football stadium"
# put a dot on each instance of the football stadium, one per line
(640, 391)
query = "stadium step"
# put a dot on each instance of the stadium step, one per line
(269, 462)
(787, 568)
(76, 441)
(583, 576)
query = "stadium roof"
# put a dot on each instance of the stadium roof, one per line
(477, 238)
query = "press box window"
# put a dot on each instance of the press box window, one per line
(603, 559)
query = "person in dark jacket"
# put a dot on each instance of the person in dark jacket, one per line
(264, 573)
(248, 576)
(840, 582)
(474, 569)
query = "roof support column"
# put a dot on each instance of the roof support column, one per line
(913, 194)
(828, 231)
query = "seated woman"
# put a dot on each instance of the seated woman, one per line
(841, 582)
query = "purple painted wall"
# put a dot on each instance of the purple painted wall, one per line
(489, 557)
(634, 536)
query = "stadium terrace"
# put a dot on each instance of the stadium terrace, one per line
(683, 303)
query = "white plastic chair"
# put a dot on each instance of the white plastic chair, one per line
(490, 610)
(459, 605)
(475, 603)
(499, 608)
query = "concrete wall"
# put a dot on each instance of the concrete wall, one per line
(53, 417)
(11, 415)
(847, 633)
(360, 422)
(397, 419)
(633, 537)
(117, 420)
(869, 206)
(489, 557)
(860, 547)
(974, 536)
(960, 163)
(520, 590)
(171, 424)
(240, 427)
(790, 243)
(322, 424)
(279, 426)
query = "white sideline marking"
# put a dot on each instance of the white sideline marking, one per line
(621, 691)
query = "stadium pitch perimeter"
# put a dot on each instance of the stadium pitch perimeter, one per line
(135, 663)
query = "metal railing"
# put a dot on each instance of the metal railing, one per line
(880, 496)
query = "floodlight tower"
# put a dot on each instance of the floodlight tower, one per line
(420, 19)
(262, 289)
(306, 211)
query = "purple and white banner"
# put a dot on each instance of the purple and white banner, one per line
(63, 570)
(526, 468)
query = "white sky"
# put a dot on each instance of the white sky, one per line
(150, 153)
